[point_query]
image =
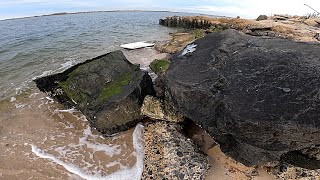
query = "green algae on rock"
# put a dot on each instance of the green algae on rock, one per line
(160, 66)
(116, 86)
(108, 90)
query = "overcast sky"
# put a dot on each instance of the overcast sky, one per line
(242, 8)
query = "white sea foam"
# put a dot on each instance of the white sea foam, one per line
(66, 110)
(67, 64)
(44, 73)
(150, 72)
(189, 49)
(20, 105)
(107, 149)
(13, 99)
(63, 67)
(125, 173)
(33, 95)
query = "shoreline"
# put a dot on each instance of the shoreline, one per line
(102, 11)
(223, 164)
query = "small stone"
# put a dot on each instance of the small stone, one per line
(286, 90)
(181, 176)
(180, 154)
(304, 174)
(283, 168)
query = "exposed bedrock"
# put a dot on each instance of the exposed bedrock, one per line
(259, 97)
(108, 90)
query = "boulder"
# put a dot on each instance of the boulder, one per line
(313, 22)
(262, 17)
(108, 90)
(259, 97)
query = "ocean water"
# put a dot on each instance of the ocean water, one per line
(34, 47)
(39, 138)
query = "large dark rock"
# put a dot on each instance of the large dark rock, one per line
(262, 17)
(108, 90)
(259, 97)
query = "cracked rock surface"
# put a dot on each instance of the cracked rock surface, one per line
(259, 97)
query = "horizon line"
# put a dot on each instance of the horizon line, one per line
(97, 11)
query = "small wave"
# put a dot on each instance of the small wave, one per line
(64, 66)
(67, 64)
(44, 73)
(69, 167)
(125, 173)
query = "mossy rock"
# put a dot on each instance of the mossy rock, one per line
(160, 66)
(108, 90)
(216, 28)
(198, 33)
(116, 86)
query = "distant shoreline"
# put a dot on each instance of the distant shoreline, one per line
(87, 12)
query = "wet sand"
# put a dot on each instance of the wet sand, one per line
(36, 120)
(225, 168)
(40, 139)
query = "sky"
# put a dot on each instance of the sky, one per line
(232, 8)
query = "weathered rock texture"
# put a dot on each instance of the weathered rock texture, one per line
(259, 97)
(159, 109)
(108, 90)
(170, 155)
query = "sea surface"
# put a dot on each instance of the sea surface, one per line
(39, 138)
(38, 46)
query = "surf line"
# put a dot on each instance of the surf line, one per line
(134, 172)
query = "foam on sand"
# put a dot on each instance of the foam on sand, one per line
(107, 149)
(134, 172)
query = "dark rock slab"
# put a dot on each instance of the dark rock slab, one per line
(259, 97)
(262, 17)
(108, 90)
